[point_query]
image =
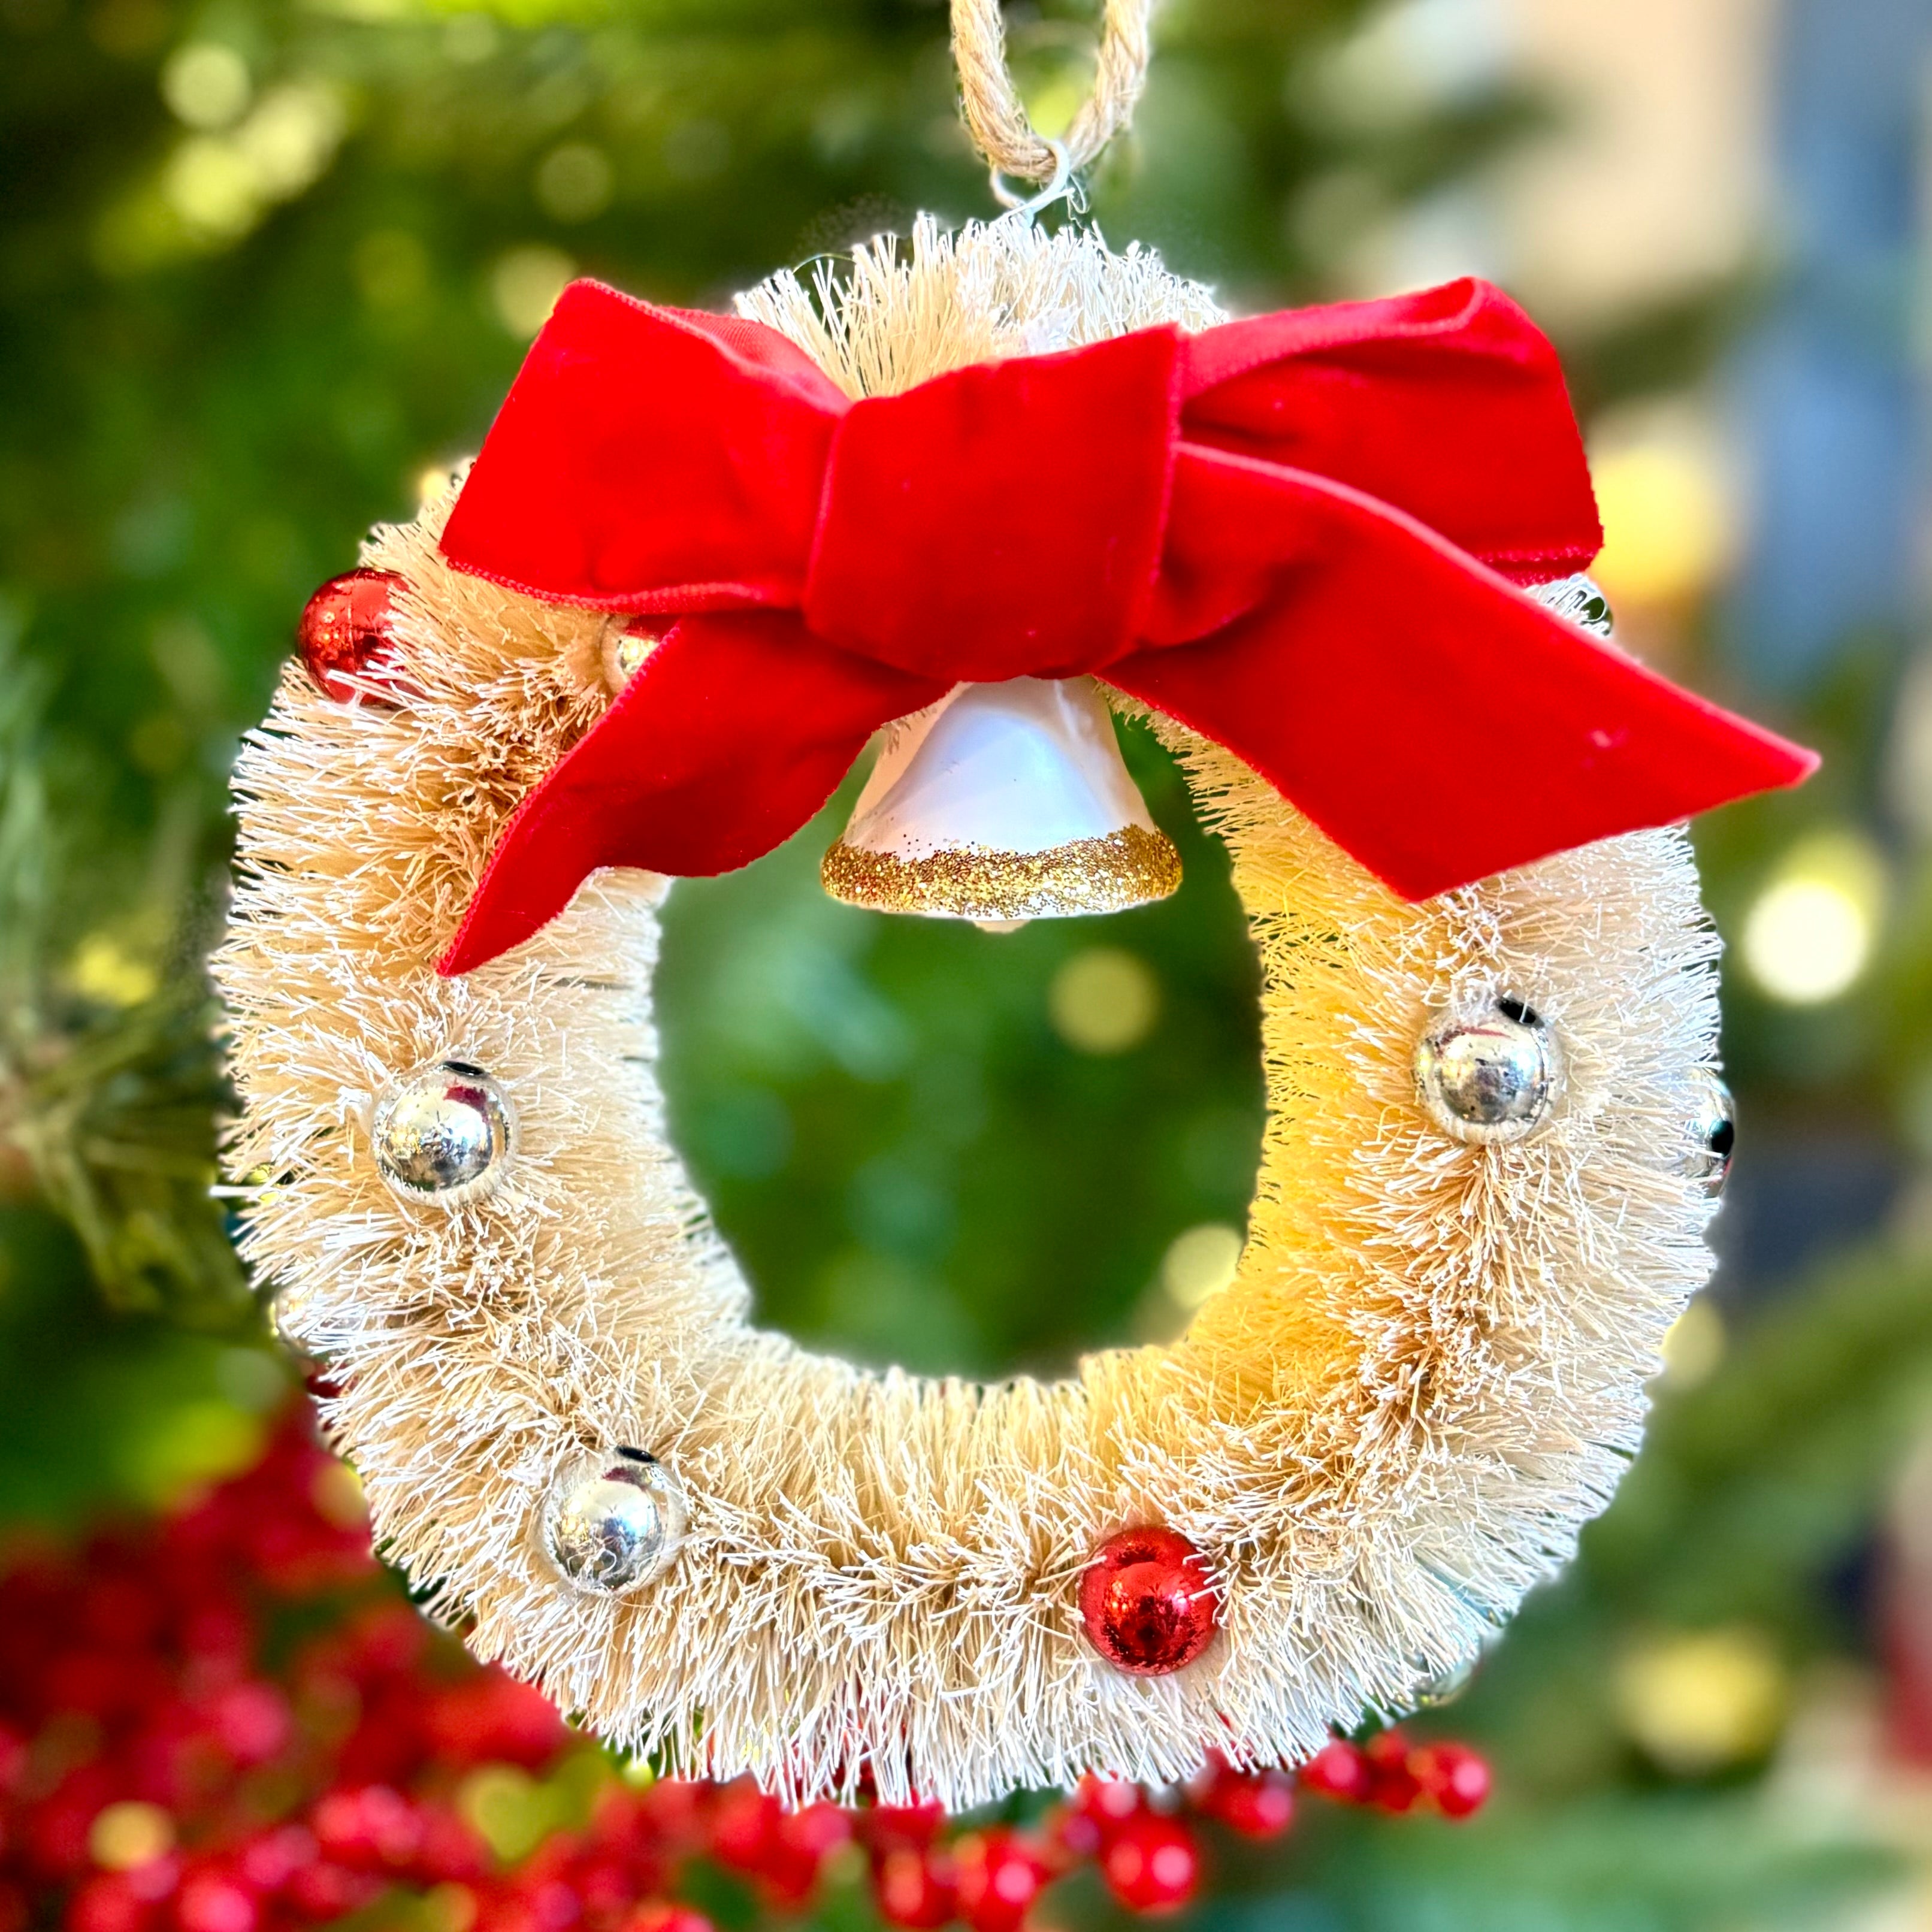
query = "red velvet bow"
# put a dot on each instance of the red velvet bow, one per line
(1300, 534)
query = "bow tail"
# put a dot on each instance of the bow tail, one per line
(1438, 725)
(732, 733)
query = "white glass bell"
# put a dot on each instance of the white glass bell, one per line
(1001, 803)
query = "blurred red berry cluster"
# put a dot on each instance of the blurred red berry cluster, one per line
(1393, 1774)
(230, 1720)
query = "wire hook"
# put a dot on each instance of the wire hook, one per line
(1061, 186)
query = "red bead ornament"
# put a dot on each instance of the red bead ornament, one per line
(346, 627)
(1147, 1602)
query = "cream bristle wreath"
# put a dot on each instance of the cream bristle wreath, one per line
(1428, 1372)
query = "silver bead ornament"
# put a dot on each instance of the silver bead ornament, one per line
(1445, 1687)
(1491, 1078)
(1580, 599)
(1710, 1132)
(443, 1131)
(613, 1519)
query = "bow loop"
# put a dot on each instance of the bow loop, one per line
(1449, 404)
(650, 459)
(1003, 520)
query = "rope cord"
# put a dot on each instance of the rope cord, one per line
(997, 118)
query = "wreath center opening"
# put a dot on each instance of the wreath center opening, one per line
(955, 1151)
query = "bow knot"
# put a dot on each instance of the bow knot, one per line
(1299, 534)
(1001, 521)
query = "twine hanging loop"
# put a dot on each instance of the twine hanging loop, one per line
(997, 118)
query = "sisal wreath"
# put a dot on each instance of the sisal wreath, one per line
(1429, 1371)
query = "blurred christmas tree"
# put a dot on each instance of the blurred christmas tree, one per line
(265, 267)
(268, 267)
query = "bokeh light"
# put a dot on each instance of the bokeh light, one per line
(205, 84)
(524, 286)
(1104, 1000)
(1694, 1345)
(1200, 1263)
(130, 1834)
(574, 181)
(104, 970)
(1670, 523)
(1809, 935)
(1696, 1702)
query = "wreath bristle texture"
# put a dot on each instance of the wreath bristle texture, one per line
(1429, 1370)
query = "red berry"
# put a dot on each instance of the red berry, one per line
(888, 1827)
(116, 1609)
(1153, 1865)
(997, 1876)
(801, 1842)
(56, 1829)
(1256, 1804)
(218, 1640)
(1392, 1783)
(1069, 1836)
(12, 1752)
(449, 1851)
(600, 1886)
(156, 1879)
(268, 1860)
(1111, 1802)
(250, 1721)
(1340, 1770)
(1147, 1602)
(665, 1915)
(914, 1889)
(108, 1903)
(551, 1905)
(677, 1810)
(492, 1718)
(324, 1892)
(815, 1830)
(387, 1640)
(1453, 1776)
(211, 1902)
(744, 1826)
(373, 1826)
(1098, 1808)
(345, 627)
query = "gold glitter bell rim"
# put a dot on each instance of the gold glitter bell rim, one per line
(1004, 802)
(1115, 872)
